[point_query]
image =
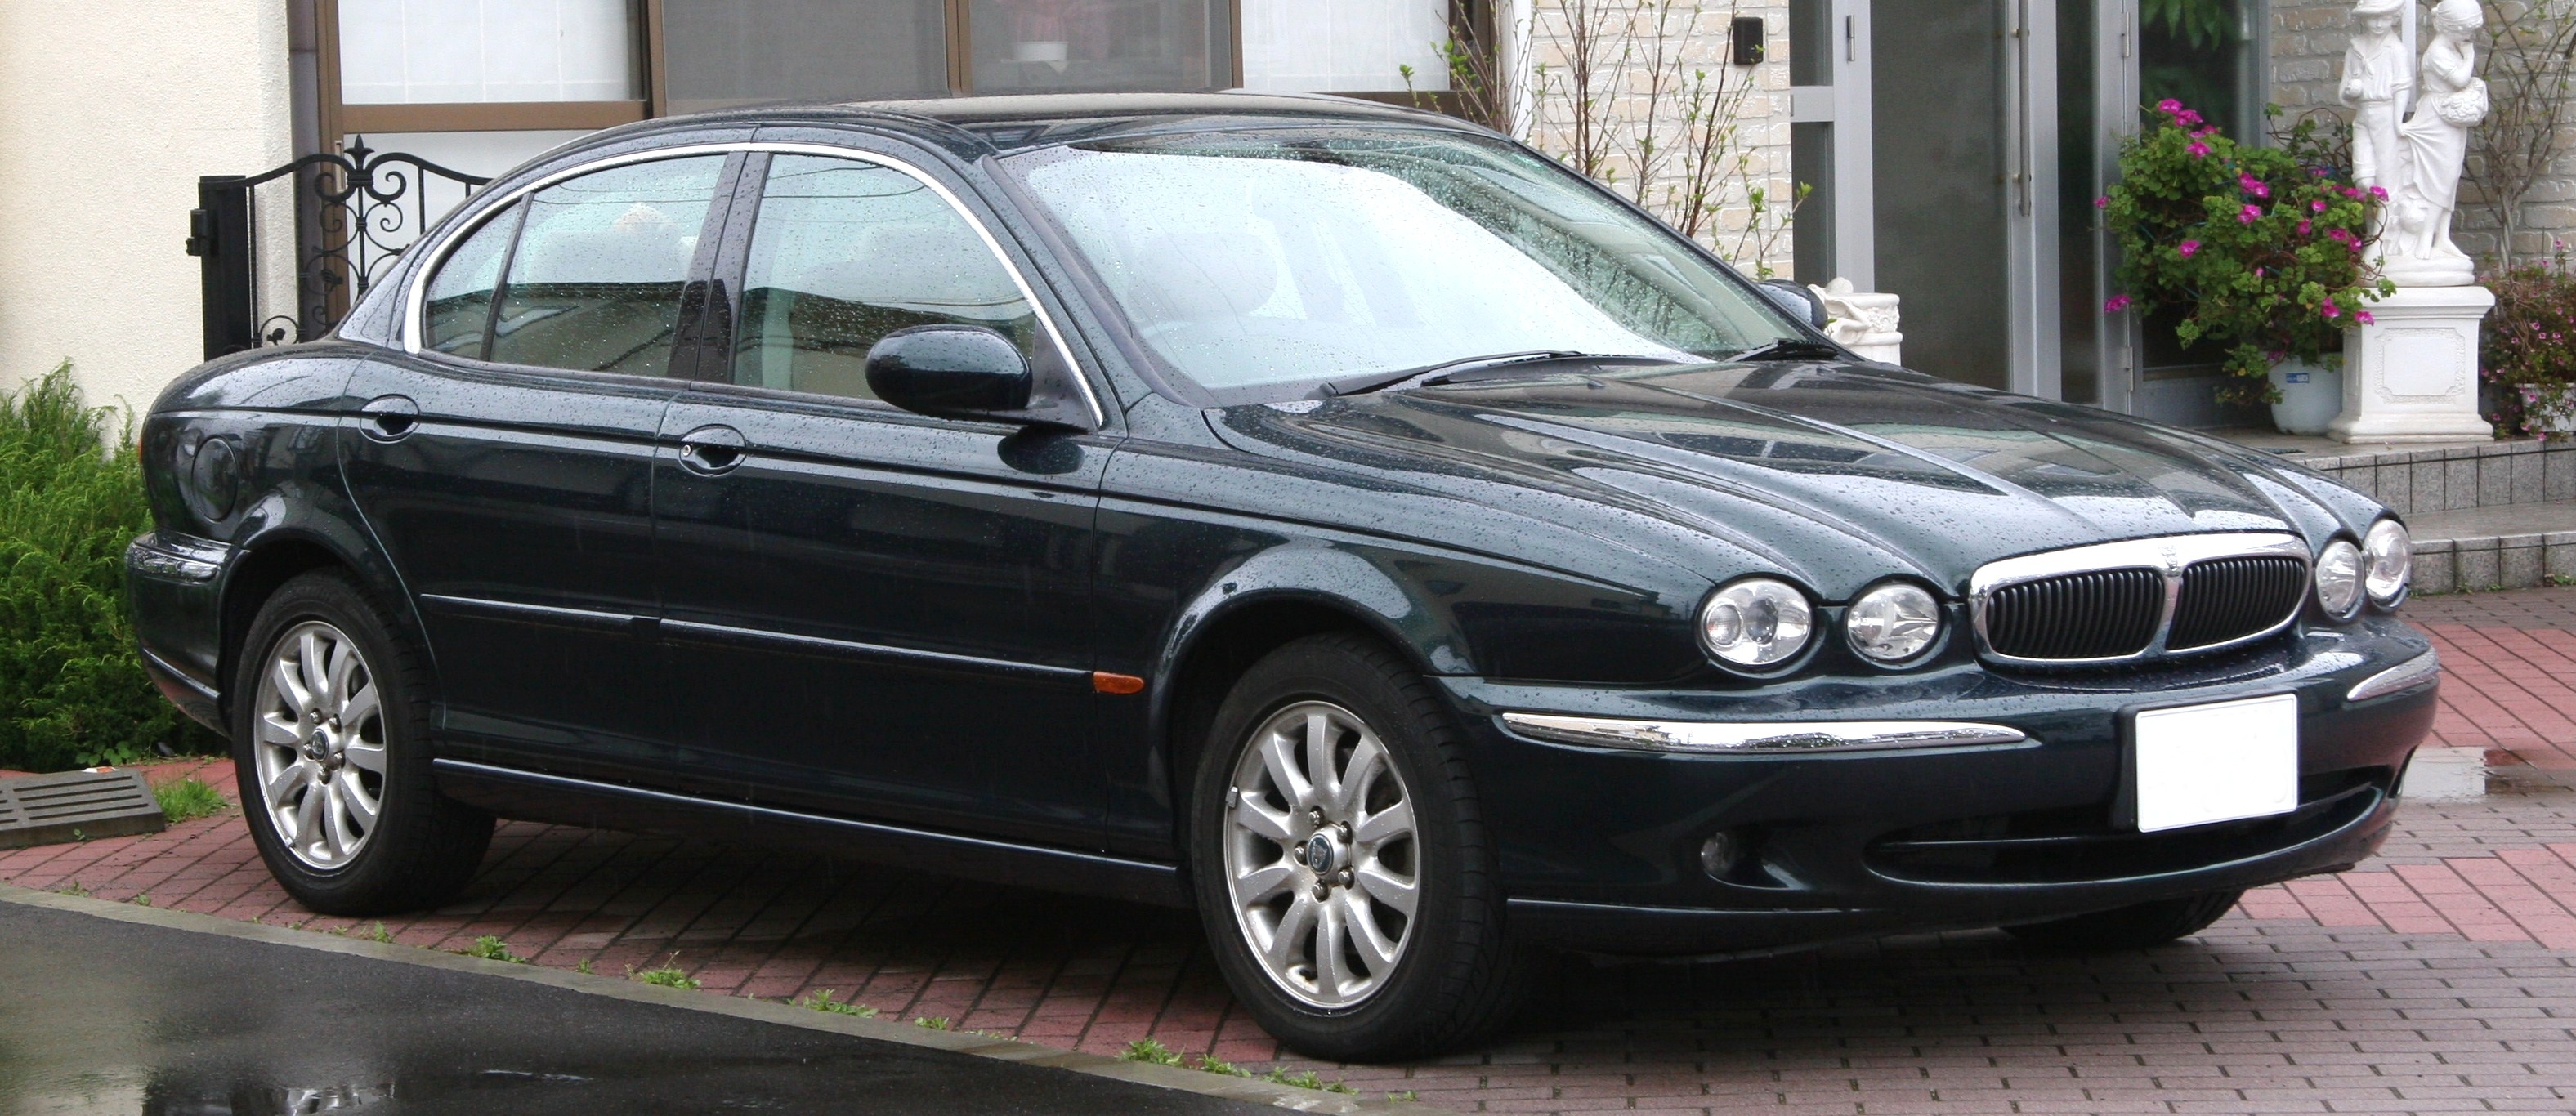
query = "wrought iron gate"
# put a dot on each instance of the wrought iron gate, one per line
(355, 212)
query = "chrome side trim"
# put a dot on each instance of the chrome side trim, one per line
(1759, 737)
(415, 300)
(2422, 670)
(2169, 555)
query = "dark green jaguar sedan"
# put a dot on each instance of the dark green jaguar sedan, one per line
(1338, 519)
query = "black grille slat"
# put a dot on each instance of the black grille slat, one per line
(2098, 614)
(2225, 599)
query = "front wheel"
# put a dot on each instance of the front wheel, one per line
(330, 742)
(1340, 864)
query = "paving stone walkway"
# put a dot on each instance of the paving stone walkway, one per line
(2439, 977)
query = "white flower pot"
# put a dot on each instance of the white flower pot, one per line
(2548, 407)
(2311, 397)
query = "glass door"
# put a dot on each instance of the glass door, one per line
(1963, 102)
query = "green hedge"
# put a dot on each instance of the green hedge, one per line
(72, 692)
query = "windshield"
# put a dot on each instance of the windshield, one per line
(1261, 264)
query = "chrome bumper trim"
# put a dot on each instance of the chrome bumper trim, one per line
(2422, 670)
(1759, 737)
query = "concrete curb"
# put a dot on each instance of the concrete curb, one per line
(762, 1011)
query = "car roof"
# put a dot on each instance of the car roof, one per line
(1005, 124)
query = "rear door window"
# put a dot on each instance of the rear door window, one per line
(594, 282)
(459, 310)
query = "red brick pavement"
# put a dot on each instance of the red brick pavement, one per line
(2441, 977)
(2509, 673)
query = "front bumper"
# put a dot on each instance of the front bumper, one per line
(1600, 847)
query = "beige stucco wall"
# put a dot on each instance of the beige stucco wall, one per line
(1700, 36)
(108, 113)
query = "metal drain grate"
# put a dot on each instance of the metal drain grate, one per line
(75, 805)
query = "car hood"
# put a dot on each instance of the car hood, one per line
(1837, 474)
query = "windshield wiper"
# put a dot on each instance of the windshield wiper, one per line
(1451, 369)
(1792, 348)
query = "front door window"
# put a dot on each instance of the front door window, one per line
(847, 252)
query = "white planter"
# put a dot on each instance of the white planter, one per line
(2311, 397)
(2548, 407)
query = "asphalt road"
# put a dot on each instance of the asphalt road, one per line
(98, 1015)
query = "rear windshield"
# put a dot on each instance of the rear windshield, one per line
(1261, 264)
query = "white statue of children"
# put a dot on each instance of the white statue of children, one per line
(2377, 75)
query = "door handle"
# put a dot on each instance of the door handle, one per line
(389, 418)
(711, 450)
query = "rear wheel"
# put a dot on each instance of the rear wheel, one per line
(1340, 864)
(2133, 927)
(333, 762)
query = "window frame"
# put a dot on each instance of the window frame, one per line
(723, 248)
(1473, 21)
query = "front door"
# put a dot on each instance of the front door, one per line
(874, 612)
(507, 468)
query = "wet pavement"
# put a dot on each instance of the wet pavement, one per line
(110, 1017)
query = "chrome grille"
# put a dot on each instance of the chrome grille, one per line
(2105, 614)
(2123, 601)
(2227, 599)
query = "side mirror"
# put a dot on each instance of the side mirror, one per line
(950, 371)
(1794, 297)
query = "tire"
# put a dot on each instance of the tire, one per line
(1404, 823)
(313, 733)
(2133, 927)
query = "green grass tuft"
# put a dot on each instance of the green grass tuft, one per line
(491, 948)
(822, 1000)
(188, 799)
(932, 1022)
(670, 975)
(1148, 1050)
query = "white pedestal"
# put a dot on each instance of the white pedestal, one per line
(2412, 374)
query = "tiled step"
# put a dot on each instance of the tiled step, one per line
(2515, 546)
(2413, 480)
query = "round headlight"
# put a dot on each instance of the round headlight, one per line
(1756, 622)
(1893, 623)
(2339, 578)
(2389, 562)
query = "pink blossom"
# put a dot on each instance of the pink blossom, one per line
(2187, 118)
(2379, 193)
(2305, 228)
(2330, 310)
(2353, 193)
(2103, 202)
(2208, 131)
(2198, 149)
(2248, 214)
(2117, 304)
(2317, 206)
(2169, 106)
(2362, 316)
(2187, 248)
(2253, 185)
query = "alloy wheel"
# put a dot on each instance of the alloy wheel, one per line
(319, 743)
(1321, 858)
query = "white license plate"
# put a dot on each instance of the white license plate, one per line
(2224, 761)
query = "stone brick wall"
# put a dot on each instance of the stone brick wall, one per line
(1699, 32)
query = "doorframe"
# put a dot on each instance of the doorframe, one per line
(2030, 214)
(2115, 84)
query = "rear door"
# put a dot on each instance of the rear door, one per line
(870, 611)
(507, 467)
